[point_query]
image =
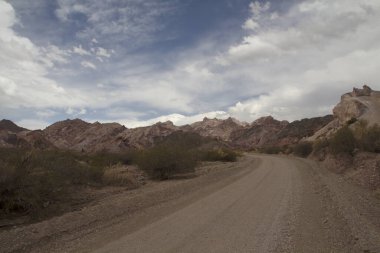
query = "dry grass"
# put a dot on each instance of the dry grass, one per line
(123, 175)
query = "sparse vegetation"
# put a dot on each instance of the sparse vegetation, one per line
(122, 175)
(320, 144)
(303, 149)
(271, 150)
(163, 161)
(224, 155)
(354, 136)
(343, 141)
(30, 180)
(368, 138)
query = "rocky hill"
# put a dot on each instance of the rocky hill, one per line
(217, 128)
(258, 134)
(82, 136)
(143, 137)
(11, 135)
(360, 104)
(9, 126)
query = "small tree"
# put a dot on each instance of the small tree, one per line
(303, 149)
(163, 161)
(320, 144)
(370, 140)
(343, 141)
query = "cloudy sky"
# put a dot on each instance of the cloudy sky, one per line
(141, 61)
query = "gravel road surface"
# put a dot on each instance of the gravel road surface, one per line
(260, 204)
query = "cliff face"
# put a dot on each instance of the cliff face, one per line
(360, 104)
(267, 131)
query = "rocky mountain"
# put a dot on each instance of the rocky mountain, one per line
(11, 135)
(142, 137)
(360, 104)
(217, 128)
(82, 136)
(9, 126)
(258, 134)
(268, 132)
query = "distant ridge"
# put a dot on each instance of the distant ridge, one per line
(7, 125)
(78, 135)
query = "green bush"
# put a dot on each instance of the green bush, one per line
(370, 140)
(271, 150)
(343, 141)
(223, 155)
(163, 161)
(23, 187)
(28, 179)
(182, 139)
(303, 149)
(320, 144)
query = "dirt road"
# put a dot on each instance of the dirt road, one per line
(261, 204)
(281, 206)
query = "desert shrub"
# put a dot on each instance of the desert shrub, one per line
(343, 141)
(122, 175)
(303, 149)
(320, 144)
(184, 140)
(360, 129)
(351, 121)
(370, 139)
(28, 179)
(23, 188)
(271, 150)
(69, 167)
(163, 161)
(223, 155)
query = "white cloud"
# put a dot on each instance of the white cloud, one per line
(102, 52)
(24, 69)
(80, 50)
(120, 19)
(82, 111)
(75, 111)
(258, 8)
(177, 119)
(65, 11)
(33, 124)
(53, 55)
(250, 24)
(304, 62)
(88, 64)
(291, 64)
(253, 48)
(46, 113)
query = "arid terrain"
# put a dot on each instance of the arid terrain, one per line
(177, 126)
(259, 204)
(212, 186)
